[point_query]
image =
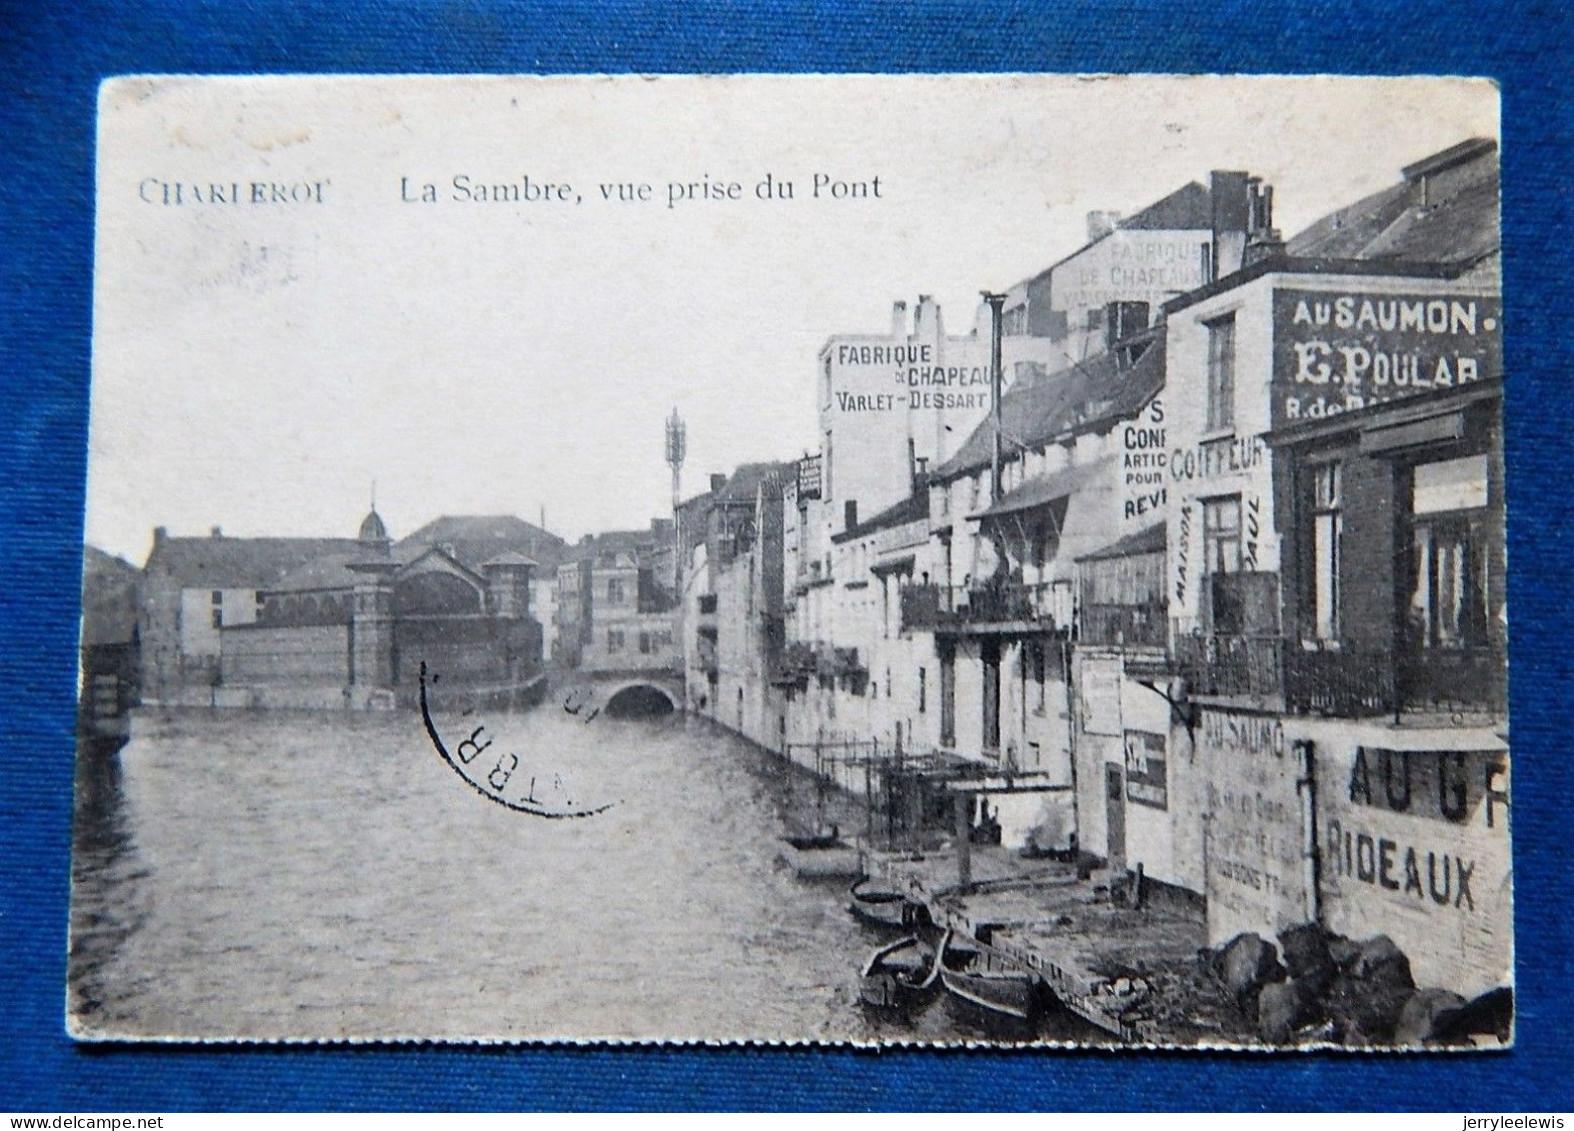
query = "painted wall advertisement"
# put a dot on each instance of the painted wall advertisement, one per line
(1256, 872)
(1146, 781)
(1128, 265)
(1333, 352)
(1143, 492)
(1415, 845)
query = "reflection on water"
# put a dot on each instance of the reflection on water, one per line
(322, 876)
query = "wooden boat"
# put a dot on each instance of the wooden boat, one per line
(824, 856)
(973, 974)
(900, 974)
(885, 908)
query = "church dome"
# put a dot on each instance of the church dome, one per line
(372, 528)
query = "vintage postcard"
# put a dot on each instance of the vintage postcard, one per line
(847, 559)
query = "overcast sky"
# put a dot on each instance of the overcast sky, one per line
(257, 366)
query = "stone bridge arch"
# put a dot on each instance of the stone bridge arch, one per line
(626, 693)
(640, 697)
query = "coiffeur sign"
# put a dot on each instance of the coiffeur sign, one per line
(1334, 352)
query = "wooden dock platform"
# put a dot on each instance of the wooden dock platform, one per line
(1099, 959)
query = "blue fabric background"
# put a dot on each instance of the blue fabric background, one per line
(52, 57)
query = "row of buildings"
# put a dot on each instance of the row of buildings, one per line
(287, 622)
(486, 602)
(1210, 584)
(1187, 556)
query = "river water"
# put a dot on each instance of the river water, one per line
(325, 876)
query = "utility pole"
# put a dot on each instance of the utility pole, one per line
(677, 449)
(996, 303)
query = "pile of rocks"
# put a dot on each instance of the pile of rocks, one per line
(1319, 987)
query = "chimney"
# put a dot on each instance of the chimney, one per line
(218, 532)
(159, 534)
(1261, 206)
(899, 319)
(1230, 195)
(1101, 224)
(1263, 240)
(717, 481)
(850, 513)
(1263, 245)
(926, 320)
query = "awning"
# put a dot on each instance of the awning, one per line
(1044, 489)
(902, 564)
(1150, 540)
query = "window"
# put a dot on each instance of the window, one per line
(218, 618)
(1448, 602)
(1221, 372)
(615, 589)
(1035, 664)
(1448, 605)
(1221, 535)
(1327, 531)
(644, 643)
(948, 698)
(614, 639)
(1062, 604)
(1224, 604)
(923, 690)
(218, 596)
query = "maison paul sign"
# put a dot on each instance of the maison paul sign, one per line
(1336, 351)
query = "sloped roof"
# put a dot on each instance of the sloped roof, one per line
(1395, 224)
(911, 509)
(110, 590)
(329, 572)
(1148, 540)
(240, 563)
(472, 572)
(1043, 489)
(1461, 229)
(477, 538)
(509, 558)
(1188, 207)
(612, 541)
(96, 562)
(1345, 232)
(1079, 398)
(744, 483)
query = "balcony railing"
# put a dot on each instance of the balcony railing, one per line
(1232, 665)
(960, 607)
(1135, 626)
(1454, 680)
(1347, 682)
(1343, 683)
